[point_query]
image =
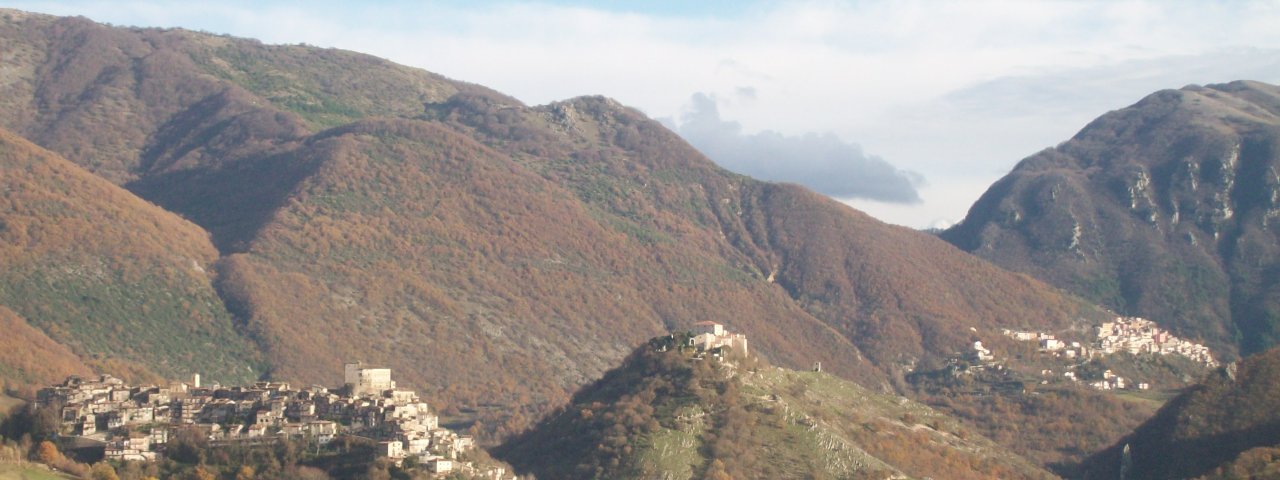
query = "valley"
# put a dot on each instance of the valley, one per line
(175, 202)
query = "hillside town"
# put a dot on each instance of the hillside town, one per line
(1124, 334)
(134, 422)
(1133, 335)
(1137, 335)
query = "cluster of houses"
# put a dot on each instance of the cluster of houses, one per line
(134, 422)
(1050, 343)
(1137, 335)
(1111, 381)
(1124, 334)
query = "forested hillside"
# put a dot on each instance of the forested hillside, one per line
(91, 274)
(1226, 427)
(496, 255)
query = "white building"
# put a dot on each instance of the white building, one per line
(711, 328)
(440, 465)
(392, 448)
(981, 353)
(1021, 335)
(419, 445)
(712, 335)
(1052, 344)
(367, 381)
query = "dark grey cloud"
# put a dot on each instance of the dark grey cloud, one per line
(822, 162)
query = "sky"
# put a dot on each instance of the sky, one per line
(907, 110)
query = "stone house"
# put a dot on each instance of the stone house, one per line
(391, 448)
(712, 335)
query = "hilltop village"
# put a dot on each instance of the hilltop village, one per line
(713, 337)
(705, 340)
(134, 422)
(1133, 335)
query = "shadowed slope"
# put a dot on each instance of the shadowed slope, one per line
(413, 245)
(1211, 424)
(182, 118)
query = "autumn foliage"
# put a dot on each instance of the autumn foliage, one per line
(290, 208)
(1225, 423)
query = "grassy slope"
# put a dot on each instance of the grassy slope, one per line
(29, 472)
(912, 437)
(664, 415)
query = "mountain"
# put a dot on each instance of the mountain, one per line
(667, 413)
(487, 262)
(1226, 427)
(91, 275)
(1164, 209)
(496, 255)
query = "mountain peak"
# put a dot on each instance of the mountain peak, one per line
(1164, 209)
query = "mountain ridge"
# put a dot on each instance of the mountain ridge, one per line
(472, 242)
(1162, 210)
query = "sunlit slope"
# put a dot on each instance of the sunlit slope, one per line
(664, 414)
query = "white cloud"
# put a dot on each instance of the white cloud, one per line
(822, 162)
(970, 137)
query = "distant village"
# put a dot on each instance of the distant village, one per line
(134, 422)
(1132, 335)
